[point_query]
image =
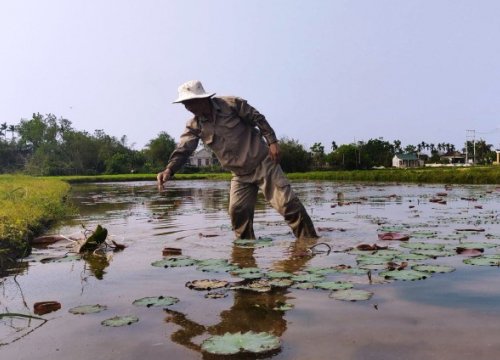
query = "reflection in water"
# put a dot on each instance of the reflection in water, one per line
(251, 311)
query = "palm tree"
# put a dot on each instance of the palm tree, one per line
(3, 128)
(12, 129)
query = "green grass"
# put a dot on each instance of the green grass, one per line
(27, 206)
(443, 175)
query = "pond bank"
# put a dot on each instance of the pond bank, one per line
(444, 175)
(27, 206)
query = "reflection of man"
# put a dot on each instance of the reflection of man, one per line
(250, 311)
(245, 144)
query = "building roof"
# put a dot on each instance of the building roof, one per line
(411, 156)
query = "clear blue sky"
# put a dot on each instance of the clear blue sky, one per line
(320, 70)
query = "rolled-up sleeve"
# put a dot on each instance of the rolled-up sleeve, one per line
(249, 114)
(188, 143)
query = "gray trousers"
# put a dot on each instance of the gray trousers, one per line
(270, 179)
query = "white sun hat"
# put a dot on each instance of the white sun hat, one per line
(192, 90)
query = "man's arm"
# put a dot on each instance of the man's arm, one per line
(255, 118)
(187, 145)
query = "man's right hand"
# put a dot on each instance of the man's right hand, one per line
(162, 177)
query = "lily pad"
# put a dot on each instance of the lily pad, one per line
(257, 286)
(477, 245)
(433, 268)
(120, 321)
(174, 262)
(422, 246)
(404, 275)
(414, 257)
(251, 342)
(216, 295)
(434, 253)
(61, 259)
(278, 275)
(333, 285)
(87, 309)
(308, 278)
(206, 284)
(351, 295)
(321, 270)
(248, 273)
(282, 283)
(250, 244)
(485, 260)
(303, 285)
(352, 271)
(156, 301)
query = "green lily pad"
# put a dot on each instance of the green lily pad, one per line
(174, 262)
(215, 265)
(422, 246)
(351, 295)
(120, 321)
(308, 278)
(321, 270)
(61, 259)
(282, 283)
(485, 260)
(303, 285)
(250, 244)
(369, 260)
(156, 301)
(251, 342)
(477, 245)
(404, 275)
(278, 275)
(248, 273)
(283, 307)
(434, 253)
(352, 271)
(414, 257)
(257, 286)
(424, 234)
(87, 309)
(433, 268)
(333, 285)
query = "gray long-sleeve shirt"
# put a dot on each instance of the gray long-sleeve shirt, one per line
(235, 134)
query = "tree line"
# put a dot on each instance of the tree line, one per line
(47, 145)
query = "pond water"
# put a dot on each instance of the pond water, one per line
(453, 315)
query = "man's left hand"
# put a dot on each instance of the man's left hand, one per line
(274, 152)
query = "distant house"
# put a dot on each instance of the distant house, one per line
(203, 157)
(453, 157)
(406, 161)
(498, 157)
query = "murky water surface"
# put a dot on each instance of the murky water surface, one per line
(445, 316)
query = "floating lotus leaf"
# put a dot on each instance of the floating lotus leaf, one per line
(352, 271)
(278, 275)
(415, 257)
(351, 295)
(250, 244)
(380, 266)
(303, 285)
(370, 260)
(206, 284)
(485, 260)
(404, 275)
(434, 253)
(308, 278)
(251, 342)
(477, 245)
(392, 228)
(120, 320)
(283, 307)
(94, 241)
(422, 246)
(87, 309)
(248, 273)
(174, 262)
(156, 301)
(321, 270)
(386, 253)
(280, 282)
(433, 268)
(333, 285)
(216, 295)
(215, 265)
(424, 234)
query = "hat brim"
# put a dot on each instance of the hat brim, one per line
(186, 98)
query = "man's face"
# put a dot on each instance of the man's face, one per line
(197, 106)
